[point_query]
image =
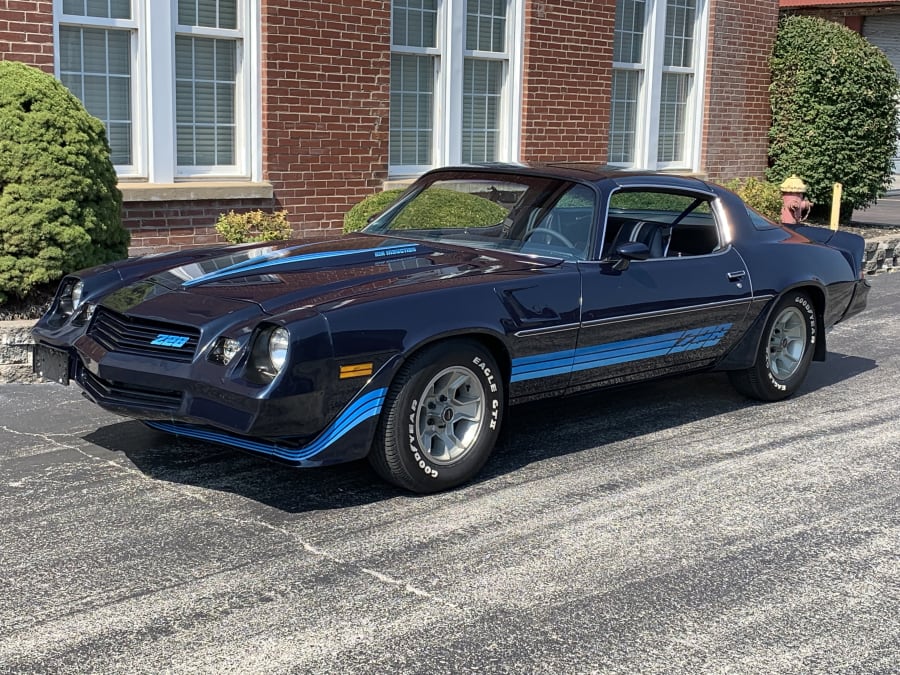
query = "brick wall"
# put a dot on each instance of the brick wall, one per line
(567, 76)
(161, 226)
(736, 107)
(26, 32)
(326, 104)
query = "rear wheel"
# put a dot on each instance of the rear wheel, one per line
(442, 417)
(785, 351)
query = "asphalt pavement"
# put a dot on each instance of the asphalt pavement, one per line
(885, 212)
(673, 527)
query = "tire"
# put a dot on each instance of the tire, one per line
(441, 419)
(785, 351)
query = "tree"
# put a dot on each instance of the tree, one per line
(834, 111)
(59, 205)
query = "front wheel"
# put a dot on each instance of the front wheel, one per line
(442, 417)
(785, 351)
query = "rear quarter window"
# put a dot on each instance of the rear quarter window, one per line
(760, 222)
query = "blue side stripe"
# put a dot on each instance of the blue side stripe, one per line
(269, 262)
(356, 413)
(613, 353)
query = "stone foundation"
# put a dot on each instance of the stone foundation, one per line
(15, 352)
(881, 254)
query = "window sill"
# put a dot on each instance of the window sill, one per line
(397, 183)
(195, 190)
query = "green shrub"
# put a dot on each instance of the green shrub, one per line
(59, 205)
(834, 111)
(433, 208)
(760, 195)
(439, 207)
(646, 200)
(240, 228)
(358, 216)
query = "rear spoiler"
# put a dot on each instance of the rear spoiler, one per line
(851, 246)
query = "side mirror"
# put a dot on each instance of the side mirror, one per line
(627, 252)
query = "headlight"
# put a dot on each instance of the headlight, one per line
(279, 341)
(77, 292)
(71, 296)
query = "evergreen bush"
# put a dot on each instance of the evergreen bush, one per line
(433, 208)
(59, 205)
(358, 216)
(440, 207)
(834, 111)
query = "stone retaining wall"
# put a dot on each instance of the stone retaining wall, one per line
(881, 254)
(16, 342)
(15, 352)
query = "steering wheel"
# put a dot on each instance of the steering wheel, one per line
(553, 234)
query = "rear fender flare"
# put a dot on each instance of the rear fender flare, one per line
(743, 354)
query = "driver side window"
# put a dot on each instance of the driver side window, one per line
(670, 224)
(568, 224)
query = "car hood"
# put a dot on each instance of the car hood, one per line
(292, 275)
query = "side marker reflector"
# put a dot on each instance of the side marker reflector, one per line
(356, 370)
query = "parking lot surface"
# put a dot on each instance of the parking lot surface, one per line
(666, 528)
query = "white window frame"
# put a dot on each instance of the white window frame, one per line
(652, 68)
(447, 107)
(153, 26)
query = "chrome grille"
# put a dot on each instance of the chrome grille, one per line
(128, 335)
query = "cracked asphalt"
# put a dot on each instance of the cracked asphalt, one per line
(665, 528)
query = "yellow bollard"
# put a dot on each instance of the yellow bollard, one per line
(836, 205)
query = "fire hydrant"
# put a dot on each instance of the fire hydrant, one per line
(794, 207)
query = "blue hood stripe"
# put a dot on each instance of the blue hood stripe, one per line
(269, 263)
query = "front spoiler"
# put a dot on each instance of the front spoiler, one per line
(203, 412)
(345, 439)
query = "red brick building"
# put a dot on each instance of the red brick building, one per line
(310, 106)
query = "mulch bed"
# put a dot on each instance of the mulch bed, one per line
(31, 307)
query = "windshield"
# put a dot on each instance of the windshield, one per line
(528, 214)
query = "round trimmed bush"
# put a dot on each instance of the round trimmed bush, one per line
(834, 111)
(433, 208)
(59, 205)
(440, 207)
(358, 216)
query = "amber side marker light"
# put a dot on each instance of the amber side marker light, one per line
(356, 370)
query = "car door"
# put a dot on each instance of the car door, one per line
(680, 308)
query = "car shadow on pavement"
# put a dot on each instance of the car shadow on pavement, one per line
(836, 368)
(533, 432)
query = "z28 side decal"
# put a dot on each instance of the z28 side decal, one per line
(612, 353)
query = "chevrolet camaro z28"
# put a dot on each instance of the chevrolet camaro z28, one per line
(481, 287)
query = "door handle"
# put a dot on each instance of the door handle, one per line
(737, 276)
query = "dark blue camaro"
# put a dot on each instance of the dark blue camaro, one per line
(480, 288)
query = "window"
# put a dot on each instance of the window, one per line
(95, 64)
(670, 224)
(454, 82)
(658, 49)
(529, 214)
(171, 83)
